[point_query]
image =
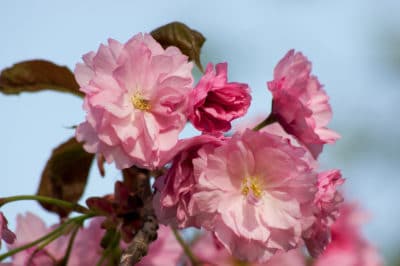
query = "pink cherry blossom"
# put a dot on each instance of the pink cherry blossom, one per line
(210, 252)
(214, 102)
(299, 102)
(86, 249)
(327, 201)
(174, 190)
(255, 193)
(136, 99)
(328, 198)
(348, 247)
(6, 234)
(30, 228)
(293, 257)
(164, 251)
(276, 129)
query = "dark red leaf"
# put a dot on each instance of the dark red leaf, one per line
(177, 34)
(65, 175)
(37, 75)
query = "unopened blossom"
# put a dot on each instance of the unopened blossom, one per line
(174, 190)
(255, 193)
(327, 202)
(165, 250)
(300, 104)
(122, 210)
(5, 234)
(215, 102)
(348, 247)
(209, 252)
(136, 98)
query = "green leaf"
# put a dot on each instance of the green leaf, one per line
(65, 175)
(177, 34)
(38, 75)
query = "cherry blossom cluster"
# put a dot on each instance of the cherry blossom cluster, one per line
(255, 189)
(259, 191)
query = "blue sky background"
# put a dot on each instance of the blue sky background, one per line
(349, 42)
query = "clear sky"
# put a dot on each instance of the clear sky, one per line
(347, 41)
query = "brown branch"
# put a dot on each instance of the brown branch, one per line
(139, 245)
(139, 181)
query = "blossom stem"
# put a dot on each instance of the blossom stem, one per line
(267, 121)
(31, 244)
(47, 238)
(110, 248)
(186, 248)
(69, 248)
(61, 203)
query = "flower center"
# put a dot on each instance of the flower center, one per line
(252, 185)
(140, 103)
(237, 262)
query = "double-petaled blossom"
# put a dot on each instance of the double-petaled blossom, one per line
(210, 253)
(5, 234)
(276, 129)
(327, 201)
(255, 193)
(327, 198)
(300, 104)
(174, 190)
(136, 99)
(215, 102)
(165, 250)
(348, 247)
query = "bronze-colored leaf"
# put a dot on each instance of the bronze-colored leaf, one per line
(137, 180)
(65, 175)
(189, 41)
(38, 75)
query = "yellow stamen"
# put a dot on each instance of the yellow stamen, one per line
(237, 262)
(140, 103)
(253, 185)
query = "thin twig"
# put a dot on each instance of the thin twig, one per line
(138, 247)
(47, 238)
(64, 261)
